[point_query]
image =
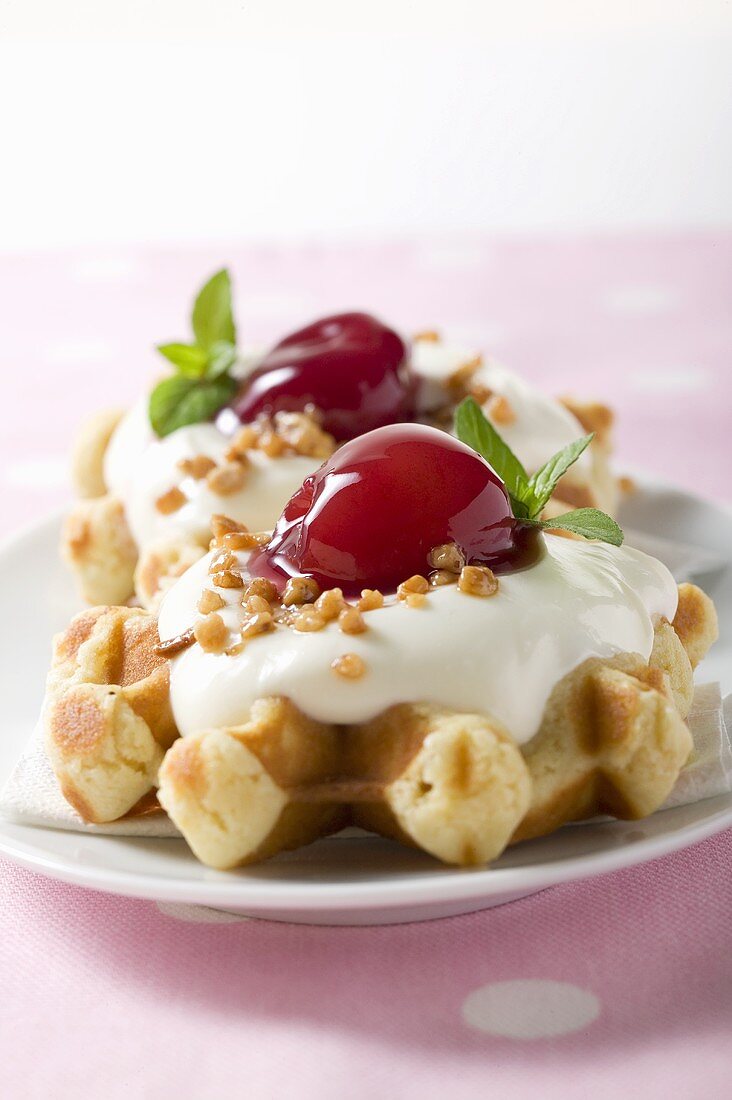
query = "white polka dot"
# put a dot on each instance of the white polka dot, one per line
(671, 380)
(639, 300)
(530, 1009)
(198, 914)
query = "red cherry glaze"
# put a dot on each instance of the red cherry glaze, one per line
(370, 515)
(353, 368)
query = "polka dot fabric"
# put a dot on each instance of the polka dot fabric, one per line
(621, 986)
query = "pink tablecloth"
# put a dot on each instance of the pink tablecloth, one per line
(617, 987)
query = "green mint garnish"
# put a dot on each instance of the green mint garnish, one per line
(203, 381)
(529, 495)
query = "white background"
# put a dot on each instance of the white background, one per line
(162, 120)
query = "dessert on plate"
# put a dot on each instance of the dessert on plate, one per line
(413, 650)
(237, 431)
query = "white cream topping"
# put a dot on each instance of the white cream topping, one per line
(500, 655)
(141, 480)
(542, 426)
(139, 467)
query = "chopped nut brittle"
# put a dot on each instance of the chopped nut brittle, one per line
(171, 646)
(171, 501)
(224, 525)
(448, 556)
(308, 620)
(300, 590)
(501, 410)
(210, 601)
(258, 623)
(460, 379)
(227, 578)
(244, 540)
(417, 583)
(330, 603)
(223, 560)
(257, 604)
(211, 633)
(440, 577)
(428, 335)
(301, 432)
(371, 599)
(227, 479)
(196, 467)
(478, 580)
(350, 666)
(415, 599)
(351, 621)
(260, 586)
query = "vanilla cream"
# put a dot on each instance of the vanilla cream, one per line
(500, 655)
(541, 425)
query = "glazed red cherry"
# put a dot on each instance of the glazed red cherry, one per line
(353, 368)
(370, 515)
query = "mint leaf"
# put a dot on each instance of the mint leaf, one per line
(189, 359)
(221, 359)
(178, 401)
(473, 428)
(543, 483)
(590, 523)
(212, 316)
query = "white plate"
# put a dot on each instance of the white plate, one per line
(341, 880)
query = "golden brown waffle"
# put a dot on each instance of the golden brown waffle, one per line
(612, 740)
(107, 714)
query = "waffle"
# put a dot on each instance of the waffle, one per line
(612, 740)
(107, 713)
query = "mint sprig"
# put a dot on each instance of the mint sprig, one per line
(529, 495)
(203, 381)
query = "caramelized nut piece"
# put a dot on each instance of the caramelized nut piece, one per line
(224, 525)
(244, 440)
(260, 586)
(211, 633)
(210, 601)
(171, 501)
(428, 335)
(196, 467)
(227, 578)
(478, 580)
(241, 540)
(257, 605)
(223, 560)
(351, 621)
(304, 435)
(417, 583)
(308, 620)
(447, 556)
(371, 599)
(171, 646)
(501, 410)
(330, 604)
(271, 444)
(227, 479)
(480, 393)
(300, 590)
(439, 577)
(350, 666)
(415, 599)
(259, 623)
